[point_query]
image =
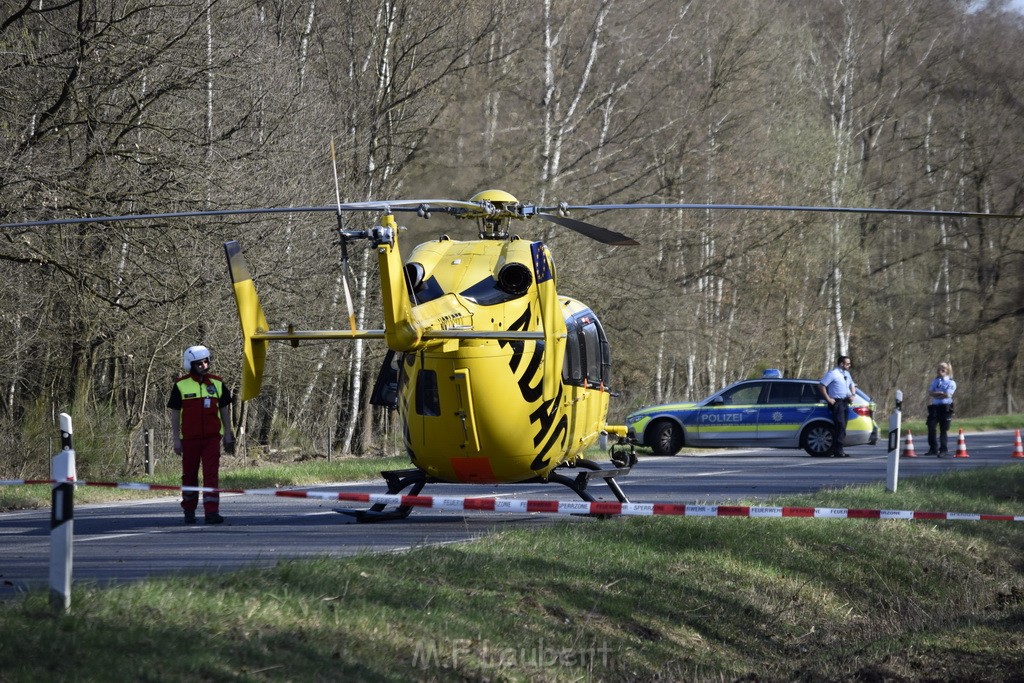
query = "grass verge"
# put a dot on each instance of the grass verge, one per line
(584, 599)
(303, 473)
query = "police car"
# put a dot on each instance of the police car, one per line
(770, 412)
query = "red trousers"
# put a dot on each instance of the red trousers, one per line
(207, 453)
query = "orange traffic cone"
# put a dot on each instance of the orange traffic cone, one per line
(961, 447)
(908, 446)
(1018, 448)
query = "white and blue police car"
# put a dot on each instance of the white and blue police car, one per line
(770, 412)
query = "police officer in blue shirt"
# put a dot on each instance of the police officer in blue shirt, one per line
(940, 409)
(838, 389)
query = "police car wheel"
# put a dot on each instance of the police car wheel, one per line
(818, 440)
(665, 437)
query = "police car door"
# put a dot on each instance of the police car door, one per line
(785, 410)
(730, 418)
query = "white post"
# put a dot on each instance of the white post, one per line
(892, 473)
(62, 471)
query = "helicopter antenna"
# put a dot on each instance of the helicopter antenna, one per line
(344, 242)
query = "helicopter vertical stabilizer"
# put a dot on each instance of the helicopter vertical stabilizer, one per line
(400, 332)
(407, 326)
(552, 319)
(250, 314)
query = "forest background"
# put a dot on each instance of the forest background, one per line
(129, 106)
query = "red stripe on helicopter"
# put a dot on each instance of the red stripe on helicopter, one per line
(474, 470)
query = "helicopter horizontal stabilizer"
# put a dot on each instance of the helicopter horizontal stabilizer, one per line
(292, 335)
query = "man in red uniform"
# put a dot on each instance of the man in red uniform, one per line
(200, 413)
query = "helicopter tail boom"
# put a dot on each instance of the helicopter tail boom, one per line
(417, 328)
(255, 332)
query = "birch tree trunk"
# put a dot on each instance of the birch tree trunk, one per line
(561, 102)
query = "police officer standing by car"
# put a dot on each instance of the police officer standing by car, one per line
(838, 389)
(199, 410)
(940, 409)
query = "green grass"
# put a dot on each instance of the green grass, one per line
(585, 599)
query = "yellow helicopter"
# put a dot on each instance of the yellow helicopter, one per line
(496, 377)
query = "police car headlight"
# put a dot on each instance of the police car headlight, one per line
(633, 419)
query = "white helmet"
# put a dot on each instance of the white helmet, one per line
(192, 354)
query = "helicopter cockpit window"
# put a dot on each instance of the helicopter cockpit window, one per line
(427, 290)
(572, 368)
(592, 346)
(587, 354)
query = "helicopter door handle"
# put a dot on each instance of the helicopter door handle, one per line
(466, 412)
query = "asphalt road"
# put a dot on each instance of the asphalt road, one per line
(132, 540)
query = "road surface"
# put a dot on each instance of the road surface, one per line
(131, 540)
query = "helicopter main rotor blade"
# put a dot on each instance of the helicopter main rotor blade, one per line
(602, 235)
(471, 209)
(397, 205)
(773, 207)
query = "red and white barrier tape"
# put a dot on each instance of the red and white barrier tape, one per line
(560, 507)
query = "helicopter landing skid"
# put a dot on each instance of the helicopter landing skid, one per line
(593, 471)
(397, 480)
